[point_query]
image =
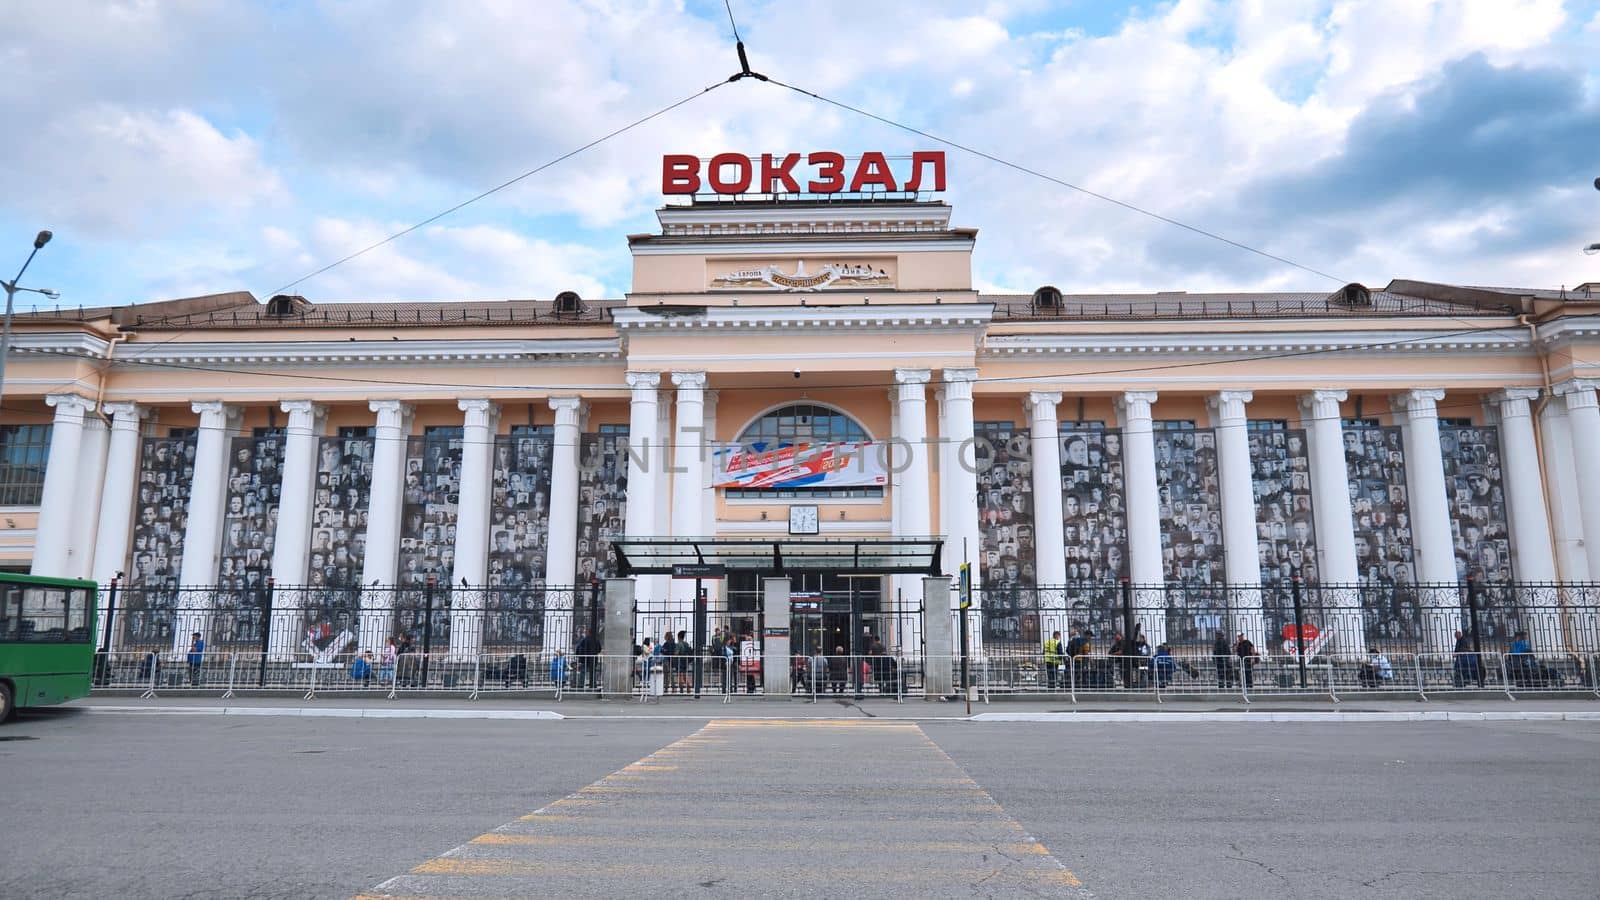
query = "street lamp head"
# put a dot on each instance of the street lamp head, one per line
(43, 238)
(52, 294)
(1592, 249)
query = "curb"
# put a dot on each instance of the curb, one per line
(330, 712)
(1271, 717)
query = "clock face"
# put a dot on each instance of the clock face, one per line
(802, 520)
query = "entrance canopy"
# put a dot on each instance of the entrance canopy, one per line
(778, 556)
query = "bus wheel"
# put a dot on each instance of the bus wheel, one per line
(7, 708)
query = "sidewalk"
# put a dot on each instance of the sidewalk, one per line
(1572, 708)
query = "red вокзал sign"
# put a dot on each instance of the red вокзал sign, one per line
(735, 173)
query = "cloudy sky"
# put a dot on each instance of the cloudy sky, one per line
(179, 148)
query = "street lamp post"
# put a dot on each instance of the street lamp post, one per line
(11, 292)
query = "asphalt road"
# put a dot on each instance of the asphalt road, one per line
(211, 806)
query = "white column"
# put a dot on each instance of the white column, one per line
(86, 502)
(645, 462)
(1532, 556)
(52, 545)
(202, 541)
(1044, 438)
(472, 526)
(960, 476)
(1144, 513)
(663, 482)
(688, 482)
(116, 500)
(1584, 419)
(380, 568)
(1241, 563)
(708, 522)
(561, 549)
(1330, 501)
(1561, 483)
(911, 406)
(292, 544)
(1430, 515)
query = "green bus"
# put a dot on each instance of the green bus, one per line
(46, 640)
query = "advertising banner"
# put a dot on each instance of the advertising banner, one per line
(762, 466)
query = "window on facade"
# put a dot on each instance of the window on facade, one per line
(1363, 422)
(803, 423)
(530, 431)
(24, 449)
(1172, 425)
(182, 434)
(1267, 425)
(1454, 422)
(356, 432)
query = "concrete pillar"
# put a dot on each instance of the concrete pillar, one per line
(53, 540)
(561, 549)
(202, 542)
(380, 568)
(911, 403)
(645, 462)
(292, 546)
(688, 478)
(1532, 556)
(115, 524)
(1241, 563)
(938, 665)
(1336, 536)
(1144, 513)
(1584, 419)
(959, 480)
(1561, 485)
(708, 494)
(1045, 441)
(86, 501)
(1430, 516)
(478, 426)
(617, 642)
(775, 666)
(897, 458)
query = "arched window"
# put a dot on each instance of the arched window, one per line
(803, 423)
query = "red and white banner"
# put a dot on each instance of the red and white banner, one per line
(762, 466)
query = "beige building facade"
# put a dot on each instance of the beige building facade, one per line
(826, 368)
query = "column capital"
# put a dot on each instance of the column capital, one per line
(1419, 403)
(1230, 404)
(568, 410)
(689, 381)
(958, 383)
(1578, 392)
(1136, 404)
(1324, 402)
(1041, 405)
(912, 376)
(124, 415)
(69, 404)
(642, 382)
(303, 409)
(215, 413)
(391, 413)
(1513, 402)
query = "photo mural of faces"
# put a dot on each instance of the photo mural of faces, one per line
(249, 526)
(429, 504)
(339, 511)
(1286, 536)
(1007, 550)
(1375, 463)
(1477, 498)
(1190, 506)
(519, 519)
(161, 518)
(602, 501)
(1094, 517)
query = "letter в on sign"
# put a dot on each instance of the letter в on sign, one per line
(934, 158)
(772, 176)
(680, 174)
(831, 165)
(714, 173)
(872, 169)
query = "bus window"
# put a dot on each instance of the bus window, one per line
(39, 615)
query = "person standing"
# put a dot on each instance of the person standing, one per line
(663, 659)
(1466, 665)
(588, 651)
(1246, 651)
(197, 656)
(387, 661)
(1052, 660)
(1223, 658)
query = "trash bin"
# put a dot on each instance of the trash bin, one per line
(658, 681)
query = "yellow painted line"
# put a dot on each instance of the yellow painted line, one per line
(545, 817)
(719, 841)
(447, 865)
(646, 767)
